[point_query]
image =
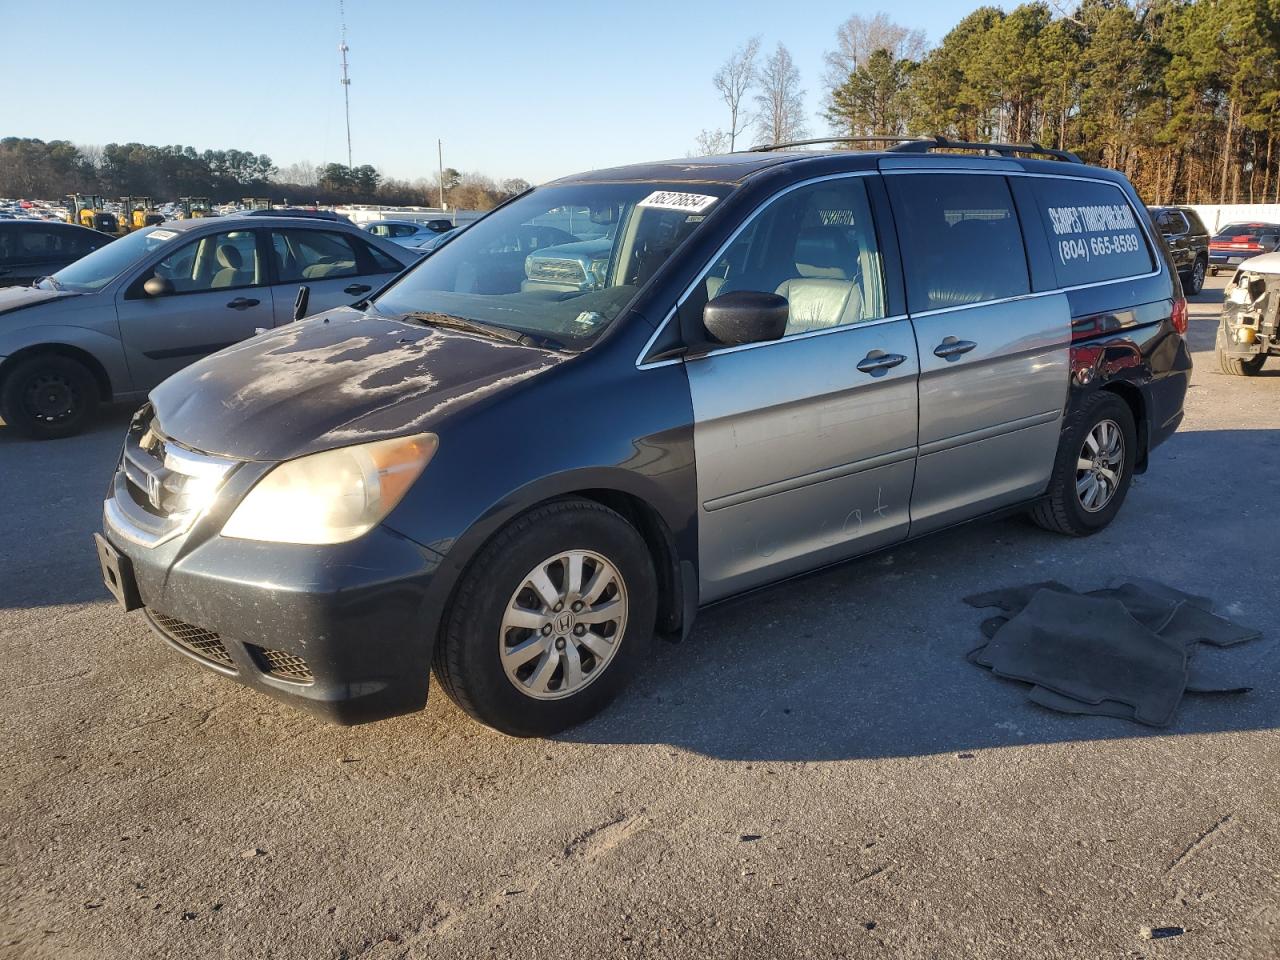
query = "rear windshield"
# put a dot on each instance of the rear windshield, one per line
(1250, 230)
(562, 261)
(1093, 232)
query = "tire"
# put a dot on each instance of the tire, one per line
(1064, 509)
(1240, 366)
(534, 696)
(48, 396)
(1213, 271)
(1193, 282)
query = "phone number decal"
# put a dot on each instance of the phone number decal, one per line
(1079, 248)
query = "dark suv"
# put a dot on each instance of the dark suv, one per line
(1188, 242)
(786, 359)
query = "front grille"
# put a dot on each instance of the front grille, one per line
(286, 666)
(164, 481)
(205, 644)
(557, 271)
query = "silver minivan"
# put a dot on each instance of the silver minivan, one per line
(112, 325)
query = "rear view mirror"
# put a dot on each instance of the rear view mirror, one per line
(158, 287)
(746, 316)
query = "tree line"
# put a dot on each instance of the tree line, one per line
(1183, 96)
(36, 169)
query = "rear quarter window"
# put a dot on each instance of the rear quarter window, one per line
(960, 237)
(1093, 231)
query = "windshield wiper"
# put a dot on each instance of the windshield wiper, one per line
(53, 284)
(451, 322)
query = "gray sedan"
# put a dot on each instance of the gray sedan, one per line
(112, 325)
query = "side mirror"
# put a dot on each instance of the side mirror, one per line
(746, 316)
(158, 287)
(300, 304)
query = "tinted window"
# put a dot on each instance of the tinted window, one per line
(960, 238)
(381, 262)
(313, 255)
(815, 246)
(1092, 230)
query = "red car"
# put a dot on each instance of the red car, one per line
(1237, 242)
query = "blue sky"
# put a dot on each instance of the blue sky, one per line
(535, 89)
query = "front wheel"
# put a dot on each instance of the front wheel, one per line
(48, 396)
(1093, 469)
(550, 620)
(1240, 366)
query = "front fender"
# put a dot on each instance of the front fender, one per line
(102, 347)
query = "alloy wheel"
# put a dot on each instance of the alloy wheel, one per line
(563, 624)
(1100, 465)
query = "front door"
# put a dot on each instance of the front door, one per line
(993, 358)
(805, 447)
(220, 296)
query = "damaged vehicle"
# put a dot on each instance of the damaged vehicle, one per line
(1249, 331)
(628, 394)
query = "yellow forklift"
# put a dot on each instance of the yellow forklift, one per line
(193, 207)
(256, 203)
(87, 210)
(138, 212)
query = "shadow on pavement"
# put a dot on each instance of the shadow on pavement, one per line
(52, 491)
(867, 660)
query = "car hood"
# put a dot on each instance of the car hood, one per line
(15, 298)
(332, 380)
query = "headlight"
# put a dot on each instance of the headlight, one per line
(334, 496)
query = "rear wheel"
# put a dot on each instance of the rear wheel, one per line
(48, 396)
(1193, 282)
(550, 620)
(1093, 469)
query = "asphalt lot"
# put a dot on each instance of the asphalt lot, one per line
(817, 772)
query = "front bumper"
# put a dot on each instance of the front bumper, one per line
(344, 632)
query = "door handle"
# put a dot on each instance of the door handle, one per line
(242, 303)
(357, 288)
(877, 362)
(951, 348)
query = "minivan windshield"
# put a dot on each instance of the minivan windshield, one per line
(92, 273)
(562, 262)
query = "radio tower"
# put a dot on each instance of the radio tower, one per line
(346, 80)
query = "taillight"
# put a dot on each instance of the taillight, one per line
(1179, 315)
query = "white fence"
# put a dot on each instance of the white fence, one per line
(1216, 215)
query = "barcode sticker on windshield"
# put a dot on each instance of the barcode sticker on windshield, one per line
(162, 234)
(675, 200)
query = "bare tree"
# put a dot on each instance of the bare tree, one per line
(781, 100)
(858, 38)
(734, 81)
(303, 172)
(708, 143)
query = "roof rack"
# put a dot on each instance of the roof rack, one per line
(927, 144)
(787, 145)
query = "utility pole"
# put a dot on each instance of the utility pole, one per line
(346, 80)
(440, 160)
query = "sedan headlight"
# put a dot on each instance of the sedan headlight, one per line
(334, 496)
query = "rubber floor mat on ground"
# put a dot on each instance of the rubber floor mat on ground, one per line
(1125, 651)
